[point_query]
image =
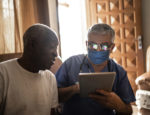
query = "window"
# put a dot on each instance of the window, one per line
(7, 38)
(72, 24)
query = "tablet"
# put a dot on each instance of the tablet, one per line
(89, 82)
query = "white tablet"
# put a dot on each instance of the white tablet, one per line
(89, 82)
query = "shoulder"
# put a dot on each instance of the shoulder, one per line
(115, 66)
(48, 75)
(75, 58)
(70, 66)
(8, 62)
(73, 62)
(6, 65)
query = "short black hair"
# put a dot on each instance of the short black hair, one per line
(39, 30)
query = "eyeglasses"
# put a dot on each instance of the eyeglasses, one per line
(103, 46)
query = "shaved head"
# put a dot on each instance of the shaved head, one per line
(40, 46)
(39, 33)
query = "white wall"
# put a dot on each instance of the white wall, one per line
(146, 25)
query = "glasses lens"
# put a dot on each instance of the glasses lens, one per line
(104, 47)
(94, 46)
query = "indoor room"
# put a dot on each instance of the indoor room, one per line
(65, 47)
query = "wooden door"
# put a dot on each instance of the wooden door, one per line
(125, 17)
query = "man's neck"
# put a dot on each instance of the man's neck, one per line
(27, 65)
(99, 67)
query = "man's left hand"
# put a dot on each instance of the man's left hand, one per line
(109, 100)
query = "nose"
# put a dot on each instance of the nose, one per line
(99, 47)
(55, 54)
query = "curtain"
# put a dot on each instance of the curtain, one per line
(28, 12)
(16, 16)
(7, 39)
(25, 15)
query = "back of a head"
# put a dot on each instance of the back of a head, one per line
(39, 33)
(102, 29)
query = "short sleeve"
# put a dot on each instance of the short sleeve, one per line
(124, 89)
(54, 94)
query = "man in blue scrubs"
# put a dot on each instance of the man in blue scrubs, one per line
(99, 45)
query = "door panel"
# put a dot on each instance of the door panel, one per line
(125, 17)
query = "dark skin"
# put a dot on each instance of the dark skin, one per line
(39, 54)
(42, 59)
(108, 99)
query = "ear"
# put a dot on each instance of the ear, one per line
(112, 47)
(87, 44)
(32, 45)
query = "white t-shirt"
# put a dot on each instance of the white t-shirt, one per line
(26, 93)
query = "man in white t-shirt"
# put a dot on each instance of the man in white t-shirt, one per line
(27, 87)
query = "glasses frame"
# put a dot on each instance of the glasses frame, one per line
(101, 46)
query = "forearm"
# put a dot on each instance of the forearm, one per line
(67, 92)
(125, 109)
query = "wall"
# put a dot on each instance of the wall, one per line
(146, 25)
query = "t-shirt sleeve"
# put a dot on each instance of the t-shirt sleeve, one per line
(124, 89)
(54, 94)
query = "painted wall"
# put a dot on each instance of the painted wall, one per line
(146, 25)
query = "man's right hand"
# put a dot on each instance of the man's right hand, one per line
(76, 88)
(67, 92)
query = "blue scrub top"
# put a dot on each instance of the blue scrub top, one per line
(67, 75)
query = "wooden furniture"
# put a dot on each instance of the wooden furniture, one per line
(4, 57)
